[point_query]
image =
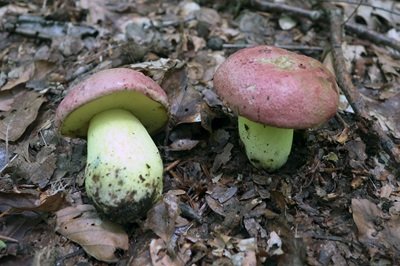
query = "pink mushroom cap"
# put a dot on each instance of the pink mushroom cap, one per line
(117, 88)
(276, 87)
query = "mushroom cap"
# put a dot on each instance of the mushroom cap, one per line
(116, 88)
(276, 87)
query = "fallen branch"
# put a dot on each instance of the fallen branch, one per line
(268, 6)
(351, 93)
(372, 36)
(315, 15)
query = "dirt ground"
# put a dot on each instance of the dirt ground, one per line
(335, 202)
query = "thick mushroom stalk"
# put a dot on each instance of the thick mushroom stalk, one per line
(266, 147)
(124, 168)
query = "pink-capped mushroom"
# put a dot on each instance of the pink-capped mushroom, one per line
(117, 110)
(274, 91)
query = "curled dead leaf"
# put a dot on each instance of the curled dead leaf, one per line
(23, 112)
(32, 201)
(101, 239)
(376, 230)
(162, 217)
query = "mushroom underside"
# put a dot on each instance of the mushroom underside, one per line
(152, 114)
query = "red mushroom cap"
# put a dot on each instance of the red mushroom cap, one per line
(276, 87)
(121, 88)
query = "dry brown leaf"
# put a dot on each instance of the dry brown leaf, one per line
(183, 145)
(39, 171)
(22, 74)
(32, 201)
(162, 217)
(97, 11)
(187, 105)
(375, 229)
(6, 100)
(387, 114)
(101, 239)
(215, 205)
(24, 111)
(222, 158)
(159, 68)
(160, 256)
(368, 13)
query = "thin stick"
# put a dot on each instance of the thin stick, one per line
(8, 163)
(284, 46)
(268, 6)
(372, 36)
(351, 93)
(315, 15)
(6, 238)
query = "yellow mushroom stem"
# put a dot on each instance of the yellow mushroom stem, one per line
(266, 147)
(124, 168)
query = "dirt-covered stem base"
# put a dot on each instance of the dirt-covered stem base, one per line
(124, 168)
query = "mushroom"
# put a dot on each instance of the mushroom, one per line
(117, 109)
(274, 91)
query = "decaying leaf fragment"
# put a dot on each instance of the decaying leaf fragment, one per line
(24, 111)
(162, 217)
(375, 229)
(99, 238)
(31, 201)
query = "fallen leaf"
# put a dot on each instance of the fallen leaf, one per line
(19, 76)
(183, 145)
(159, 69)
(19, 230)
(160, 256)
(97, 11)
(215, 205)
(375, 228)
(274, 244)
(38, 171)
(6, 100)
(368, 13)
(287, 22)
(32, 201)
(386, 191)
(223, 194)
(387, 114)
(101, 239)
(222, 158)
(24, 111)
(187, 105)
(162, 217)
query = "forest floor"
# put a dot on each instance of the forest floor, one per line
(335, 202)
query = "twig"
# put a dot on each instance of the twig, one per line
(7, 131)
(372, 36)
(8, 163)
(172, 165)
(351, 93)
(354, 12)
(314, 15)
(284, 46)
(268, 6)
(331, 238)
(364, 3)
(6, 238)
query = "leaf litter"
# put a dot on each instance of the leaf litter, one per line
(334, 203)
